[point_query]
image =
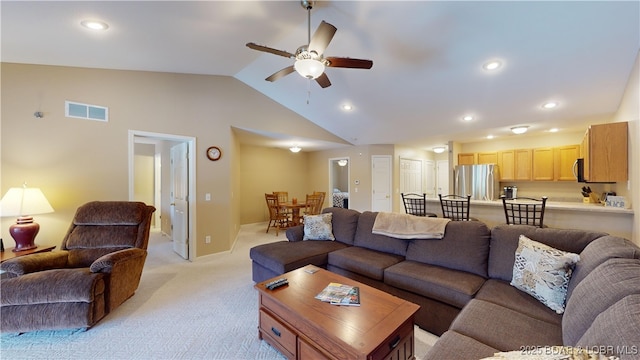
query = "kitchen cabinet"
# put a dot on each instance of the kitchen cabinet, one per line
(543, 164)
(605, 152)
(507, 165)
(522, 164)
(488, 158)
(564, 158)
(467, 159)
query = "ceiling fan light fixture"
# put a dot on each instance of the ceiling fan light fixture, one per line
(309, 68)
(519, 129)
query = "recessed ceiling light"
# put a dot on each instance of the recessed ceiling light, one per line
(467, 118)
(347, 107)
(519, 129)
(492, 65)
(94, 24)
(549, 105)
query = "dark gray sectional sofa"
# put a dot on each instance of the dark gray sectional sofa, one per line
(462, 283)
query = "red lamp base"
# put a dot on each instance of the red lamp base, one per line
(24, 233)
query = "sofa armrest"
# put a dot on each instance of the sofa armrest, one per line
(295, 233)
(124, 269)
(106, 263)
(35, 262)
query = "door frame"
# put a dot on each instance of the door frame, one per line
(191, 146)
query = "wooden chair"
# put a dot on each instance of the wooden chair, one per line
(415, 204)
(524, 210)
(313, 204)
(324, 195)
(283, 197)
(455, 207)
(277, 217)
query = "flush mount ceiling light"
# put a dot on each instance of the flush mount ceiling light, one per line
(519, 129)
(343, 162)
(94, 24)
(549, 105)
(492, 65)
(553, 130)
(439, 149)
(490, 137)
(467, 118)
(347, 107)
(295, 149)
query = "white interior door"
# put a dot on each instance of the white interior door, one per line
(430, 179)
(180, 199)
(381, 183)
(442, 172)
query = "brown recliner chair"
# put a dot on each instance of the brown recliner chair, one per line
(98, 268)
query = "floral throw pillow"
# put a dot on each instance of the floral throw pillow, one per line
(543, 272)
(318, 227)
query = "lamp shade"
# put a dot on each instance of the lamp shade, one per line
(24, 201)
(309, 68)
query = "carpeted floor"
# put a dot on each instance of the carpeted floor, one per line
(205, 309)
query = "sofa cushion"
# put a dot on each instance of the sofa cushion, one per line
(366, 239)
(543, 272)
(344, 223)
(465, 247)
(504, 242)
(318, 227)
(284, 256)
(363, 261)
(453, 345)
(453, 287)
(503, 328)
(502, 293)
(599, 251)
(603, 287)
(618, 327)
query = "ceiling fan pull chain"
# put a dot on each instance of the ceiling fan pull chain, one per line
(308, 91)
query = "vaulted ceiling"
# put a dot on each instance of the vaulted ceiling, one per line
(427, 56)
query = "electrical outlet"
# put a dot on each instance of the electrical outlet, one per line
(207, 239)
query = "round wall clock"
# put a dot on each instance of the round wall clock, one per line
(214, 153)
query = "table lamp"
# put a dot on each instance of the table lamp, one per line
(24, 202)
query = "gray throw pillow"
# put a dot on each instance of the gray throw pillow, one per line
(318, 227)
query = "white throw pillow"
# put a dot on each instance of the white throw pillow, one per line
(543, 272)
(318, 227)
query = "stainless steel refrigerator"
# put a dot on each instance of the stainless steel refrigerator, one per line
(482, 182)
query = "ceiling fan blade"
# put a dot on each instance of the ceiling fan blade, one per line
(349, 63)
(270, 50)
(280, 74)
(323, 80)
(322, 37)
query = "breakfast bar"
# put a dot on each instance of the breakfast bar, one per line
(564, 215)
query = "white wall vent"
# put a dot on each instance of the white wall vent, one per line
(86, 111)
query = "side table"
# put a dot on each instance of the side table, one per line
(10, 254)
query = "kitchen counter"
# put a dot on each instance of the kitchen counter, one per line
(563, 215)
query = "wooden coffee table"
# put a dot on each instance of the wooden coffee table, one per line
(302, 327)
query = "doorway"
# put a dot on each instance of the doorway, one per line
(165, 181)
(381, 183)
(339, 175)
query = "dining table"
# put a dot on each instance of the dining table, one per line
(295, 207)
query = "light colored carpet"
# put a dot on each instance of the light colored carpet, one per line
(205, 309)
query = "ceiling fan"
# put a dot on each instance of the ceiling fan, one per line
(310, 62)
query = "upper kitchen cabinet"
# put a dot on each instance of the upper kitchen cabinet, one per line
(564, 158)
(488, 158)
(515, 164)
(523, 164)
(467, 159)
(604, 149)
(543, 164)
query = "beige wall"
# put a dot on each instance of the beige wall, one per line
(75, 161)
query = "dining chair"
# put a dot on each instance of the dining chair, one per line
(313, 204)
(524, 210)
(415, 204)
(323, 193)
(277, 217)
(455, 207)
(283, 197)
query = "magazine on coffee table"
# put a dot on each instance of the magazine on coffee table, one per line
(340, 294)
